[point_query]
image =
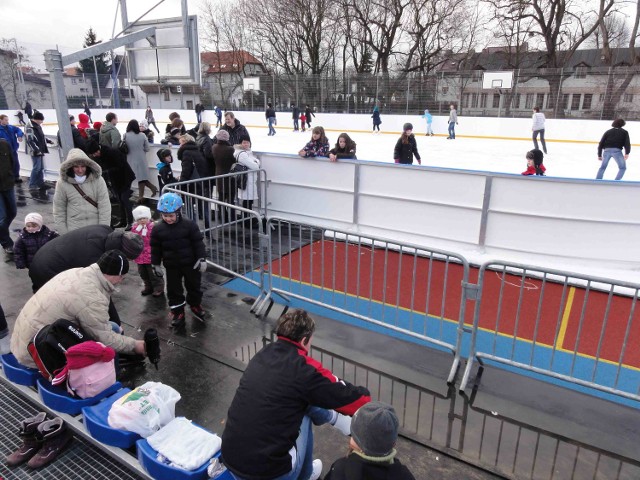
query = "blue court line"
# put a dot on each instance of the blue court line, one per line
(524, 351)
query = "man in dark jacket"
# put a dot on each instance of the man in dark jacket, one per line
(308, 113)
(195, 165)
(28, 109)
(8, 207)
(295, 114)
(374, 432)
(226, 187)
(281, 392)
(611, 145)
(117, 174)
(78, 140)
(234, 128)
(37, 143)
(81, 248)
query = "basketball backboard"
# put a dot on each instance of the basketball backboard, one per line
(251, 83)
(497, 80)
(173, 60)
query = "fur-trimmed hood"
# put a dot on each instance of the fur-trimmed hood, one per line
(78, 157)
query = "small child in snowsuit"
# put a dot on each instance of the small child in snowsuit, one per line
(178, 244)
(303, 119)
(165, 173)
(534, 163)
(143, 226)
(32, 237)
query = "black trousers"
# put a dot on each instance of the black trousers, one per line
(192, 281)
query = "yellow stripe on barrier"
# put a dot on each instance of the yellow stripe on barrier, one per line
(565, 319)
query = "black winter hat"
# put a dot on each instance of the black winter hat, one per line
(163, 153)
(407, 126)
(536, 155)
(92, 147)
(113, 262)
(374, 428)
(37, 116)
(244, 137)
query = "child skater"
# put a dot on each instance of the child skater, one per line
(165, 173)
(143, 226)
(177, 243)
(318, 146)
(303, 119)
(406, 147)
(32, 237)
(534, 163)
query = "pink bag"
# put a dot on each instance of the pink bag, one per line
(90, 369)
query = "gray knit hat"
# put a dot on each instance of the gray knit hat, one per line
(113, 262)
(222, 135)
(375, 429)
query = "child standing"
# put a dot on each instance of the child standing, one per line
(32, 237)
(177, 243)
(318, 146)
(534, 163)
(303, 119)
(143, 226)
(406, 147)
(165, 173)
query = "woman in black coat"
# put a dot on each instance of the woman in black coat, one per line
(194, 165)
(406, 147)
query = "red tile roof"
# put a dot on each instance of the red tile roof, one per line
(227, 62)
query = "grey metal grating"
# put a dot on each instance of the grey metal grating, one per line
(80, 460)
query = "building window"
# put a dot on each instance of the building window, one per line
(628, 98)
(528, 102)
(483, 100)
(465, 100)
(539, 100)
(166, 96)
(496, 100)
(477, 75)
(581, 72)
(565, 101)
(586, 102)
(80, 80)
(516, 101)
(474, 100)
(74, 81)
(601, 98)
(445, 90)
(548, 102)
(575, 101)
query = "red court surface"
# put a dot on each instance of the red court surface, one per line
(545, 312)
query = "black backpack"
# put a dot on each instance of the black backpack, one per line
(49, 346)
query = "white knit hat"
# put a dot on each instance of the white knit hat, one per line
(34, 217)
(141, 212)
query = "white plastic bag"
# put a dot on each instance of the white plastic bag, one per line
(144, 410)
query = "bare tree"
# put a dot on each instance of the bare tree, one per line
(12, 58)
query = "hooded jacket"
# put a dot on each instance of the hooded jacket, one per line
(109, 135)
(70, 209)
(235, 132)
(28, 244)
(80, 295)
(79, 248)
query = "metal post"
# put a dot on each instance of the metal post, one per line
(348, 92)
(376, 95)
(297, 95)
(408, 86)
(95, 70)
(53, 62)
(19, 74)
(86, 99)
(559, 91)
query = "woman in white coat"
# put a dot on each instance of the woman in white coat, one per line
(137, 157)
(244, 156)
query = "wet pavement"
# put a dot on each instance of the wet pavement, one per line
(511, 426)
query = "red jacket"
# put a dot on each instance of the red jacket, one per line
(532, 170)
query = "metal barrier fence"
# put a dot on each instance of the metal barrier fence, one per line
(234, 234)
(406, 288)
(577, 328)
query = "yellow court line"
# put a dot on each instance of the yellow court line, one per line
(565, 318)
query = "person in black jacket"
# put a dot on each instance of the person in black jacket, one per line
(205, 144)
(295, 114)
(406, 147)
(8, 207)
(611, 145)
(226, 187)
(78, 140)
(118, 175)
(165, 173)
(270, 115)
(308, 113)
(233, 127)
(374, 432)
(81, 248)
(195, 165)
(282, 391)
(177, 243)
(37, 143)
(345, 148)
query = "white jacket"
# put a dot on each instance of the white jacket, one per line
(538, 121)
(246, 158)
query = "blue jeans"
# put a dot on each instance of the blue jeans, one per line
(617, 155)
(8, 211)
(304, 445)
(36, 180)
(452, 129)
(272, 121)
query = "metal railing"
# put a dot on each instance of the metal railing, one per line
(411, 290)
(576, 328)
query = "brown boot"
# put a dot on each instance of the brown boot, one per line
(30, 444)
(54, 436)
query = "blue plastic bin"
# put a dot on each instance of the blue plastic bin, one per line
(160, 471)
(59, 400)
(96, 421)
(18, 373)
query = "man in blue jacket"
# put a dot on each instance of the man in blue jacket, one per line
(13, 135)
(268, 434)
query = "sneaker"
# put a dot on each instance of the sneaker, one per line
(199, 312)
(342, 423)
(177, 320)
(317, 470)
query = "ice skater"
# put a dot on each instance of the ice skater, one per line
(538, 128)
(611, 145)
(429, 118)
(453, 121)
(534, 163)
(376, 119)
(406, 147)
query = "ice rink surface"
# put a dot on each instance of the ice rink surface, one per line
(565, 160)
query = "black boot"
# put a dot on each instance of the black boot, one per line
(177, 319)
(30, 444)
(54, 436)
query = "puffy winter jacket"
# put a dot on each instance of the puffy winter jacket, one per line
(177, 245)
(404, 152)
(358, 467)
(28, 245)
(109, 135)
(235, 132)
(80, 295)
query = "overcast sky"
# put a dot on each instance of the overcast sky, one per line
(39, 25)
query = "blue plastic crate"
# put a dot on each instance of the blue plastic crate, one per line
(59, 400)
(160, 471)
(18, 373)
(96, 421)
